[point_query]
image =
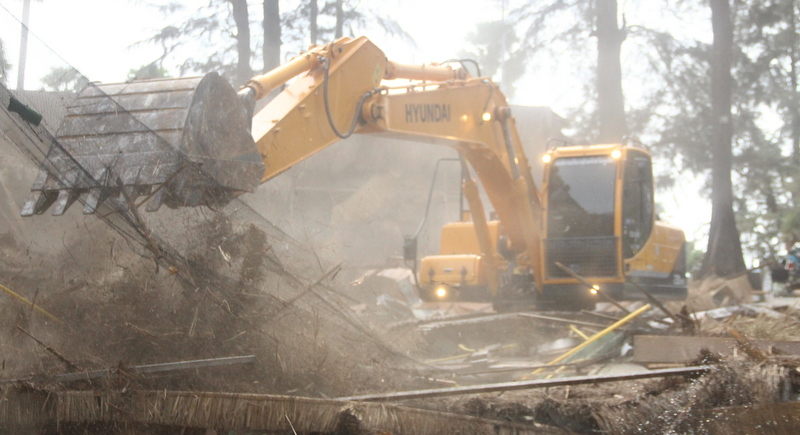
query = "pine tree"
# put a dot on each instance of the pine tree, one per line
(724, 254)
(545, 32)
(222, 29)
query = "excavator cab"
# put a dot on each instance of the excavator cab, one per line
(602, 238)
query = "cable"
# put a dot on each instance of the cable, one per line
(361, 101)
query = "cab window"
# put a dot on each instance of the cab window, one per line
(637, 202)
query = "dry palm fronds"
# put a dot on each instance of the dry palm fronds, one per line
(685, 410)
(256, 412)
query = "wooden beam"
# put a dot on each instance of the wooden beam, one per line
(144, 369)
(649, 349)
(527, 385)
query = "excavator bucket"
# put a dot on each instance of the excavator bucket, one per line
(179, 142)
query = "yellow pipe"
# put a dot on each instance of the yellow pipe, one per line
(597, 336)
(37, 308)
(396, 70)
(579, 332)
(464, 355)
(267, 82)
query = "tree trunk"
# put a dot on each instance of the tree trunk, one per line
(610, 101)
(339, 19)
(795, 117)
(793, 83)
(724, 254)
(240, 16)
(272, 35)
(312, 18)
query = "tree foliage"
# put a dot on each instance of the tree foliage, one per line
(211, 27)
(146, 72)
(565, 29)
(228, 36)
(335, 17)
(62, 79)
(768, 35)
(493, 45)
(763, 95)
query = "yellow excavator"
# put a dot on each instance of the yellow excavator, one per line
(590, 233)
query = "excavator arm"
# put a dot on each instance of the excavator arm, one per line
(350, 87)
(184, 142)
(197, 141)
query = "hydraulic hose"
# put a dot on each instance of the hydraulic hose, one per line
(326, 68)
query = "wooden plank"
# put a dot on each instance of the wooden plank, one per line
(649, 349)
(526, 385)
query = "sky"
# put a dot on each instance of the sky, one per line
(95, 35)
(98, 38)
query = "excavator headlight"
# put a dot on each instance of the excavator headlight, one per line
(616, 154)
(486, 116)
(594, 289)
(546, 158)
(441, 292)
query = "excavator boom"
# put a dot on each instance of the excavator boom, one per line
(196, 141)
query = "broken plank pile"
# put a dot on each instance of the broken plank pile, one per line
(745, 369)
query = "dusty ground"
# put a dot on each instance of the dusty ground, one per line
(118, 308)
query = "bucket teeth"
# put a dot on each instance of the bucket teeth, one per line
(37, 202)
(97, 194)
(188, 137)
(128, 195)
(66, 198)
